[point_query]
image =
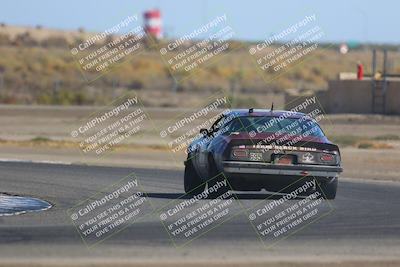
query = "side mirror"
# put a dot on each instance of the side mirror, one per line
(204, 131)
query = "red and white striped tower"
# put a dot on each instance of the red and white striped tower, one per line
(153, 23)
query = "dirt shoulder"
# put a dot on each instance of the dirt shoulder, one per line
(370, 144)
(270, 263)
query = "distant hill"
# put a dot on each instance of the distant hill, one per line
(37, 67)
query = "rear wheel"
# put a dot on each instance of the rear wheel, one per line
(328, 189)
(192, 182)
(216, 179)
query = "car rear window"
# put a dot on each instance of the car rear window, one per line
(273, 124)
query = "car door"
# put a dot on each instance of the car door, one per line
(203, 149)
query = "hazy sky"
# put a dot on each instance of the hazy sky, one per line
(341, 20)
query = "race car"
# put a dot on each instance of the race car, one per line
(255, 149)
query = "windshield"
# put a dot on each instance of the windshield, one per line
(299, 126)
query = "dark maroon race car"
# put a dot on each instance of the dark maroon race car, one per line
(263, 149)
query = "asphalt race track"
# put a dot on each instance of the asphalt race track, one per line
(365, 220)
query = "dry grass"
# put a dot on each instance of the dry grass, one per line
(32, 68)
(363, 142)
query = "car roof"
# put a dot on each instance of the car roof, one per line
(265, 113)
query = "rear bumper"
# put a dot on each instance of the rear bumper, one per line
(262, 168)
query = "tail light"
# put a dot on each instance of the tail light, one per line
(327, 157)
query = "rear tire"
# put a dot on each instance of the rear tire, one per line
(213, 178)
(328, 189)
(192, 182)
